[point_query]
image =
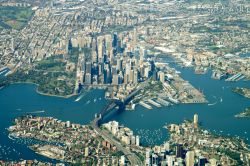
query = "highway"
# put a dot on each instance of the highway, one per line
(133, 159)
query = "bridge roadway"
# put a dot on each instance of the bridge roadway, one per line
(133, 159)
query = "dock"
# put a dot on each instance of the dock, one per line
(154, 103)
(175, 101)
(163, 102)
(234, 77)
(145, 105)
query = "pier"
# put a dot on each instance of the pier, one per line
(145, 105)
(154, 103)
(163, 102)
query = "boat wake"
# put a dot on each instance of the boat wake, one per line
(211, 104)
(35, 112)
(79, 98)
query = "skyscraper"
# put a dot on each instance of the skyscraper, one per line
(195, 121)
(179, 151)
(190, 158)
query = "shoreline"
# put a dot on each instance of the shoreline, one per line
(41, 93)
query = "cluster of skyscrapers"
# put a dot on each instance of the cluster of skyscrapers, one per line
(113, 59)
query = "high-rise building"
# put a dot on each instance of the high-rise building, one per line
(88, 67)
(135, 38)
(170, 160)
(179, 151)
(115, 80)
(135, 77)
(161, 76)
(88, 78)
(137, 141)
(202, 161)
(196, 121)
(190, 158)
(122, 160)
(131, 76)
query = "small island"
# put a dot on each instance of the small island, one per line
(242, 91)
(244, 114)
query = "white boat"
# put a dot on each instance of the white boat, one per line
(94, 100)
(79, 98)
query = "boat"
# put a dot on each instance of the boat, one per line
(221, 100)
(211, 104)
(19, 109)
(79, 98)
(88, 102)
(94, 100)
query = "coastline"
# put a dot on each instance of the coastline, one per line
(241, 91)
(41, 93)
(244, 114)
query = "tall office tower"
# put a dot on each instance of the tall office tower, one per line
(179, 151)
(131, 76)
(93, 51)
(135, 38)
(146, 72)
(120, 81)
(88, 78)
(170, 160)
(115, 80)
(95, 79)
(190, 158)
(115, 43)
(108, 43)
(167, 146)
(119, 64)
(155, 159)
(111, 56)
(196, 121)
(122, 161)
(135, 77)
(202, 161)
(127, 68)
(13, 44)
(100, 48)
(142, 55)
(161, 76)
(88, 67)
(137, 140)
(125, 79)
(100, 69)
(148, 159)
(83, 66)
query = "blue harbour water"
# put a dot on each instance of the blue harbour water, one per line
(20, 99)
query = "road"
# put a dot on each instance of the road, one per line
(133, 159)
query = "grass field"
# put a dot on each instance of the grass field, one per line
(14, 17)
